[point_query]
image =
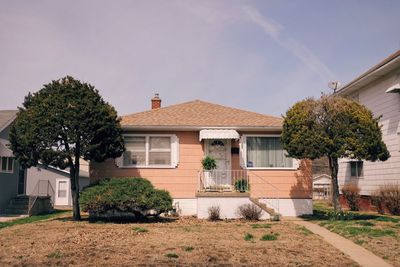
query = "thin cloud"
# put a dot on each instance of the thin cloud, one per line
(275, 31)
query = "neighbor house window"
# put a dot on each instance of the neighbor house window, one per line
(266, 152)
(356, 169)
(148, 150)
(7, 164)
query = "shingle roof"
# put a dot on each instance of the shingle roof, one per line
(381, 64)
(201, 114)
(6, 116)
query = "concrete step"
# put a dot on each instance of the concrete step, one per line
(274, 215)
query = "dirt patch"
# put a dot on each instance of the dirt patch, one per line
(183, 242)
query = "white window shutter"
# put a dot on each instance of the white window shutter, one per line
(242, 152)
(296, 163)
(175, 151)
(120, 161)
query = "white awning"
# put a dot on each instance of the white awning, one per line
(219, 134)
(393, 90)
(4, 150)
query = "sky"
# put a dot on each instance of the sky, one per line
(261, 56)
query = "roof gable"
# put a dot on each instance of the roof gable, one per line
(201, 114)
(6, 117)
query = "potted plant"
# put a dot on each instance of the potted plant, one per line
(209, 164)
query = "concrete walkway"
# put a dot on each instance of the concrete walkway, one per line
(6, 217)
(357, 253)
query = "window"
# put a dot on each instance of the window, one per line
(62, 189)
(266, 152)
(7, 164)
(356, 169)
(150, 150)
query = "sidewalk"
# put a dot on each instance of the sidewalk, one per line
(357, 253)
(6, 217)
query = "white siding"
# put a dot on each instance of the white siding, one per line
(386, 105)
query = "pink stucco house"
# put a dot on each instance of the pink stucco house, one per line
(166, 146)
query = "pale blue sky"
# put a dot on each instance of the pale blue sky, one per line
(256, 55)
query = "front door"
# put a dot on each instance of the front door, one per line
(219, 149)
(62, 192)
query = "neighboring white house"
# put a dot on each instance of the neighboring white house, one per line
(322, 186)
(378, 89)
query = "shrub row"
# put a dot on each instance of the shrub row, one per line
(246, 211)
(385, 198)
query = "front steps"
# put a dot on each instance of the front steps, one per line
(18, 205)
(274, 216)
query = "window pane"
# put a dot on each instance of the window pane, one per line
(353, 169)
(263, 152)
(62, 189)
(10, 164)
(160, 158)
(4, 164)
(157, 142)
(134, 158)
(360, 168)
(135, 143)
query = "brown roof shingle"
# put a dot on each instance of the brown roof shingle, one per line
(6, 116)
(200, 114)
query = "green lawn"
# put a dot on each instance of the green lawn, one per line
(32, 219)
(378, 233)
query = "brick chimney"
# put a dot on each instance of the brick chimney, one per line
(156, 102)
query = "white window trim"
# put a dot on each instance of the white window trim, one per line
(244, 154)
(174, 154)
(1, 165)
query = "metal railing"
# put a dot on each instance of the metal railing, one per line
(43, 188)
(223, 181)
(236, 181)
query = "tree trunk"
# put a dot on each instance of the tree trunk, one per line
(74, 175)
(334, 167)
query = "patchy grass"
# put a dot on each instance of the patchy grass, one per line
(172, 255)
(365, 223)
(377, 233)
(260, 225)
(140, 230)
(305, 231)
(189, 249)
(55, 255)
(269, 237)
(248, 237)
(114, 244)
(34, 218)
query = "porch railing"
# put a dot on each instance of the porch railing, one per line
(43, 188)
(223, 181)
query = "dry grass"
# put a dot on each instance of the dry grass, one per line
(377, 233)
(183, 242)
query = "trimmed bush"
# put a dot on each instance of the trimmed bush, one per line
(351, 192)
(249, 212)
(135, 196)
(387, 196)
(214, 213)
